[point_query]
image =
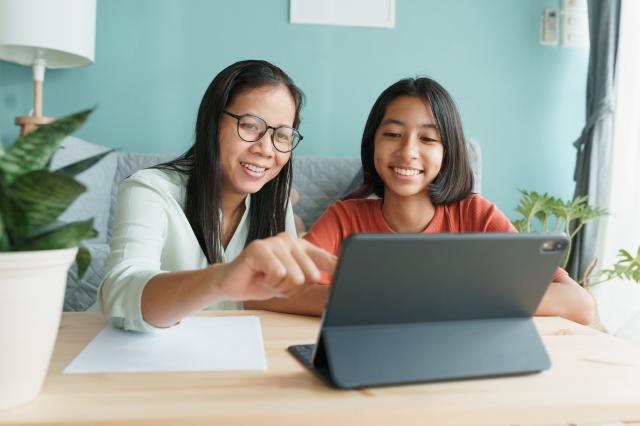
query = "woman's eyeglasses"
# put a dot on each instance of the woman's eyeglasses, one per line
(252, 128)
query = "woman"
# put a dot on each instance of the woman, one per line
(415, 160)
(214, 227)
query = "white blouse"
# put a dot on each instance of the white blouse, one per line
(151, 235)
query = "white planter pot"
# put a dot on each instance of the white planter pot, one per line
(32, 286)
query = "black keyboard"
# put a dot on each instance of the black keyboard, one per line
(304, 354)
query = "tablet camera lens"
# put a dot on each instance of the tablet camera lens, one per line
(553, 245)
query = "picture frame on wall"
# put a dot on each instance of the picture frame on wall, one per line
(354, 13)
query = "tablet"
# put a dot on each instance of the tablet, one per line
(407, 308)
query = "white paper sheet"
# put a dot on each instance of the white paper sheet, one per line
(196, 344)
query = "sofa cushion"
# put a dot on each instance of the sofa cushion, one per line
(96, 201)
(320, 181)
(475, 158)
(81, 293)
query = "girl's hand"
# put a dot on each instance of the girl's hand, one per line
(279, 266)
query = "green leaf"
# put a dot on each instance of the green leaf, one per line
(4, 238)
(533, 205)
(625, 255)
(520, 225)
(80, 166)
(65, 236)
(83, 259)
(627, 267)
(34, 150)
(43, 195)
(15, 218)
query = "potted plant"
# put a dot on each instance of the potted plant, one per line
(552, 213)
(36, 251)
(544, 212)
(626, 268)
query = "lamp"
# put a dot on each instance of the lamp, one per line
(46, 34)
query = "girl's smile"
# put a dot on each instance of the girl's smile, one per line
(406, 173)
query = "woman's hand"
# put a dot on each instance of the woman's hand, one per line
(279, 266)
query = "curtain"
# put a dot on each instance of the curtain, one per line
(594, 144)
(619, 301)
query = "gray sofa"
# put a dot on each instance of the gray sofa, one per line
(319, 181)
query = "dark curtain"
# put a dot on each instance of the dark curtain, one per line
(594, 144)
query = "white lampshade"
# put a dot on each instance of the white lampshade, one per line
(59, 32)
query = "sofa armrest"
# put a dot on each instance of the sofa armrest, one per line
(81, 293)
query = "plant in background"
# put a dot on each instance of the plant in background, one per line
(627, 267)
(32, 197)
(554, 214)
(546, 213)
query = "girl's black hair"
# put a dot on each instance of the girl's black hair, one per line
(201, 163)
(455, 180)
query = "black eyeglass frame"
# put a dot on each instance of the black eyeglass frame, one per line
(267, 127)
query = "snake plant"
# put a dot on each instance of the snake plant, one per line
(32, 196)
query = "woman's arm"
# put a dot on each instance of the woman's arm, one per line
(138, 295)
(565, 298)
(275, 268)
(326, 235)
(170, 296)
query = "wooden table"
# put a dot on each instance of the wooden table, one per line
(595, 379)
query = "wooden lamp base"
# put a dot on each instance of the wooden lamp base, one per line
(29, 123)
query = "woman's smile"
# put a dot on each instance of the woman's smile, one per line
(254, 170)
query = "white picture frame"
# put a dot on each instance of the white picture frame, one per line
(353, 13)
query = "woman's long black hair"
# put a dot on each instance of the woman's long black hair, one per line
(455, 180)
(201, 163)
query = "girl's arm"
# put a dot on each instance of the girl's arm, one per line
(565, 298)
(310, 301)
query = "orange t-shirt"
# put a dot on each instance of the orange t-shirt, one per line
(472, 214)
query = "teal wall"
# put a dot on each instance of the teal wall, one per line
(523, 102)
